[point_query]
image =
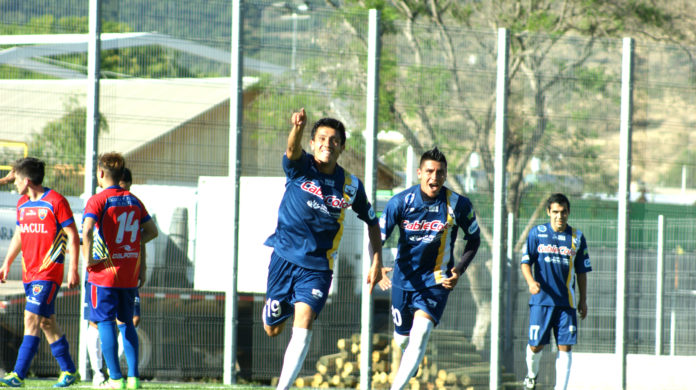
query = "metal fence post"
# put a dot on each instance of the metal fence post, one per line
(623, 209)
(659, 280)
(234, 172)
(498, 203)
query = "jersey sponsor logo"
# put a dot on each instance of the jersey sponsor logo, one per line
(429, 238)
(36, 289)
(409, 198)
(42, 214)
(473, 227)
(127, 255)
(541, 228)
(548, 248)
(351, 190)
(312, 188)
(317, 294)
(336, 202)
(330, 200)
(435, 225)
(32, 228)
(371, 213)
(318, 206)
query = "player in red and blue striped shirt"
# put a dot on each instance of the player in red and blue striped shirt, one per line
(45, 229)
(122, 225)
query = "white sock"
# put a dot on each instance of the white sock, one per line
(533, 360)
(94, 349)
(563, 363)
(413, 354)
(294, 357)
(401, 340)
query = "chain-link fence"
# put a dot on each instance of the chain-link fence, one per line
(165, 104)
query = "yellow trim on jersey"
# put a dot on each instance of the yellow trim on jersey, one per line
(348, 182)
(571, 269)
(101, 251)
(57, 249)
(443, 254)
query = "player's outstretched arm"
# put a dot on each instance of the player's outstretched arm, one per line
(299, 121)
(74, 253)
(12, 252)
(8, 179)
(375, 275)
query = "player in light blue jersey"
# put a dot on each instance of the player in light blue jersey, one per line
(310, 225)
(428, 216)
(557, 253)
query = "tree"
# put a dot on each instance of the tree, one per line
(61, 145)
(551, 42)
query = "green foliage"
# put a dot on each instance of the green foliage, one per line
(61, 144)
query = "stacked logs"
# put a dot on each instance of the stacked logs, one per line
(450, 362)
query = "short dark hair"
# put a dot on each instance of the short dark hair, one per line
(113, 164)
(30, 167)
(332, 123)
(127, 176)
(557, 198)
(433, 154)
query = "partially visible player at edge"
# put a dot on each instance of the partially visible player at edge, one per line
(310, 224)
(428, 216)
(93, 342)
(45, 228)
(122, 226)
(558, 253)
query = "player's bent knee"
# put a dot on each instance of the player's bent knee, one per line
(273, 330)
(536, 348)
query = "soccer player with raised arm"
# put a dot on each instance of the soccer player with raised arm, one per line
(45, 229)
(306, 240)
(428, 216)
(115, 225)
(557, 253)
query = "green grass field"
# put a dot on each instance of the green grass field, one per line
(47, 383)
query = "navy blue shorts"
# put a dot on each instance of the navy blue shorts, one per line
(108, 303)
(289, 283)
(87, 303)
(431, 300)
(41, 297)
(563, 321)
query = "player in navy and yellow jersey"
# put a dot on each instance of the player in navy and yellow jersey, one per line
(122, 225)
(428, 216)
(45, 229)
(310, 226)
(557, 253)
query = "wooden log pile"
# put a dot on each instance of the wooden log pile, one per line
(450, 362)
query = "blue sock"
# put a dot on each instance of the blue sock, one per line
(61, 350)
(130, 348)
(30, 344)
(107, 334)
